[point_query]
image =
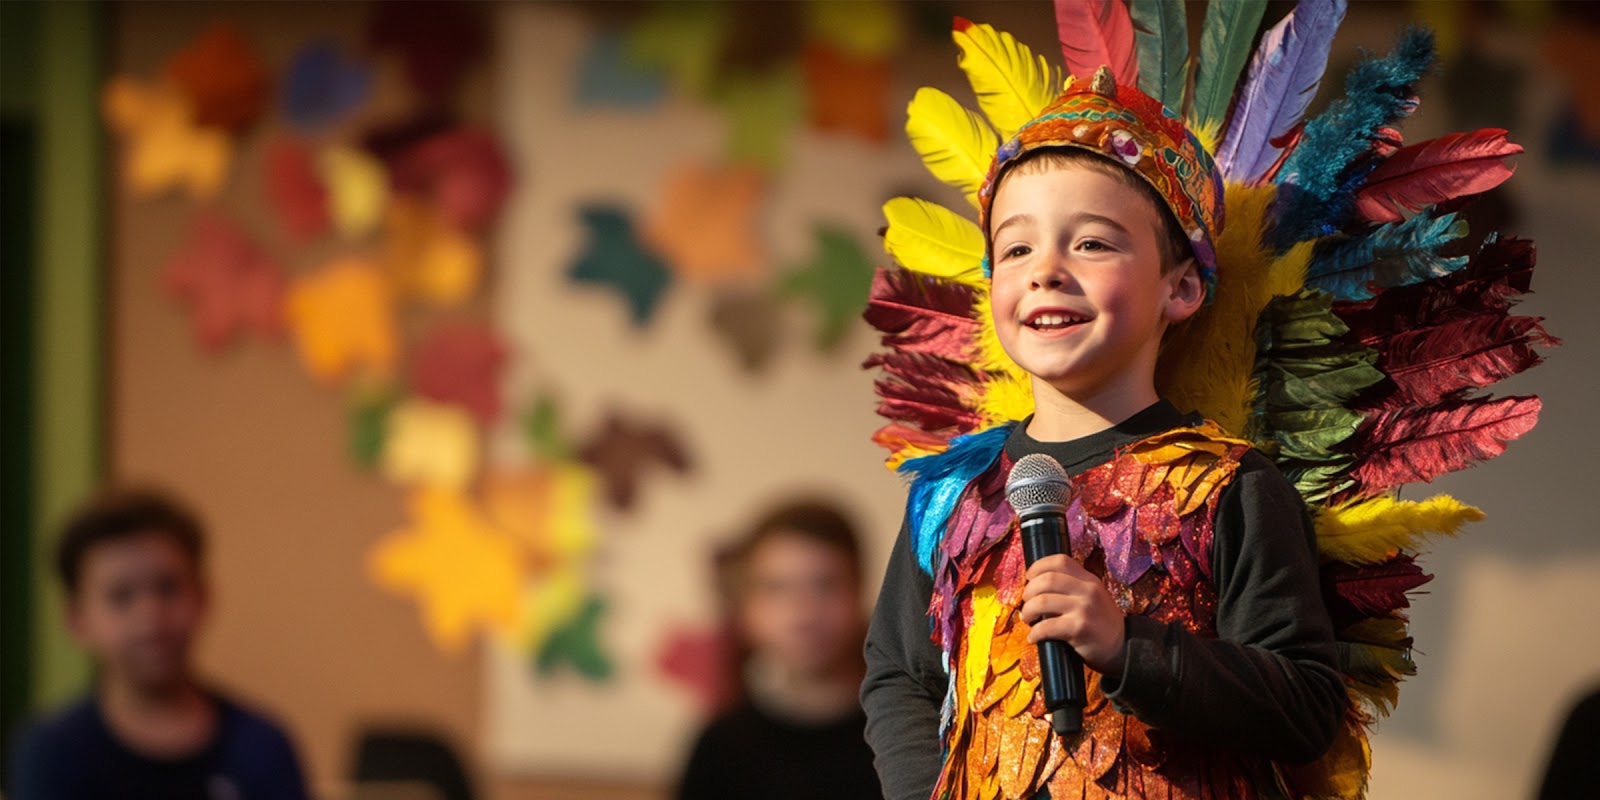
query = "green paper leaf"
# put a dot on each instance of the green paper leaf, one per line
(368, 423)
(576, 644)
(615, 259)
(837, 281)
(762, 112)
(682, 40)
(541, 424)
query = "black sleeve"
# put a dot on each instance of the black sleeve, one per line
(712, 768)
(905, 681)
(1269, 684)
(42, 768)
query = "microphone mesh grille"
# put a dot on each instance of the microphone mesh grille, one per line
(1036, 480)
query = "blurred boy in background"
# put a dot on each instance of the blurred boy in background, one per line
(131, 566)
(793, 587)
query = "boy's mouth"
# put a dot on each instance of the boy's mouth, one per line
(1053, 319)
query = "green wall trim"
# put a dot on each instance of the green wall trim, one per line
(70, 323)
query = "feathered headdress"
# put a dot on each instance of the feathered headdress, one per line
(1352, 328)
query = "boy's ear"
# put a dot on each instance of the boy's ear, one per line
(1188, 292)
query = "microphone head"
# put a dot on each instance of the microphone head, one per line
(1037, 482)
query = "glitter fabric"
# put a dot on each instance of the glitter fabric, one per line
(1126, 526)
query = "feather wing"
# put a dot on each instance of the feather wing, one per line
(1407, 446)
(1096, 33)
(1161, 39)
(1395, 254)
(1225, 40)
(1282, 79)
(955, 143)
(932, 239)
(1435, 171)
(1013, 85)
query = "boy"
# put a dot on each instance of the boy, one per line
(1191, 594)
(793, 593)
(131, 566)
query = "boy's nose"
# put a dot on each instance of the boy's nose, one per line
(1049, 273)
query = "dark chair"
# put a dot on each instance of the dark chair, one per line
(390, 756)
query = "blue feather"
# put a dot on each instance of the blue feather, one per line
(1377, 93)
(1282, 78)
(938, 482)
(1394, 254)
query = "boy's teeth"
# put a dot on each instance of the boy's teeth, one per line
(1051, 321)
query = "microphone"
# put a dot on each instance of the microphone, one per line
(1038, 491)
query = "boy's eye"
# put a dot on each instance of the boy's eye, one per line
(1092, 244)
(1017, 250)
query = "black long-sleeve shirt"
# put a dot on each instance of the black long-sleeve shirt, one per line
(1268, 685)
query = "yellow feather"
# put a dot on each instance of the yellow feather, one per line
(1206, 363)
(930, 238)
(954, 142)
(980, 636)
(1374, 530)
(1013, 85)
(1341, 773)
(1008, 394)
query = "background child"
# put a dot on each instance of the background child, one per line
(131, 565)
(1192, 591)
(795, 730)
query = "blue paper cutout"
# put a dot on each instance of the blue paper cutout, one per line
(608, 77)
(615, 260)
(323, 85)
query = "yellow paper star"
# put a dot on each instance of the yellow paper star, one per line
(342, 318)
(466, 574)
(430, 444)
(426, 257)
(705, 223)
(358, 189)
(163, 147)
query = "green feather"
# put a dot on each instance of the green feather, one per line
(1230, 29)
(1161, 33)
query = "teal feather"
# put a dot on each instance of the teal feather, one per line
(1393, 254)
(938, 483)
(1318, 180)
(1230, 29)
(1161, 34)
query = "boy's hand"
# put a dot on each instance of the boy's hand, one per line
(1064, 601)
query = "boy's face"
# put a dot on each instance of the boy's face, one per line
(1078, 294)
(801, 605)
(137, 608)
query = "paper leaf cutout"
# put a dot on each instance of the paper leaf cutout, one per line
(223, 76)
(463, 173)
(294, 189)
(681, 40)
(430, 444)
(762, 112)
(324, 85)
(162, 147)
(747, 322)
(228, 284)
(460, 364)
(847, 93)
(426, 257)
(438, 41)
(615, 260)
(698, 660)
(577, 644)
(705, 223)
(465, 573)
(549, 509)
(541, 427)
(624, 451)
(369, 425)
(866, 29)
(608, 77)
(837, 281)
(343, 319)
(358, 189)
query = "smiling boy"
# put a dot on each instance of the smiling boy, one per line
(1191, 594)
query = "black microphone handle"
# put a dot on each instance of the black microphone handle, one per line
(1060, 667)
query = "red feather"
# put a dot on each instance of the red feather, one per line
(1406, 445)
(1435, 171)
(922, 314)
(1096, 33)
(926, 391)
(1490, 282)
(1353, 593)
(895, 437)
(1429, 364)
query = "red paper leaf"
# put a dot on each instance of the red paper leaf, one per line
(624, 450)
(464, 173)
(1406, 445)
(1435, 171)
(700, 661)
(229, 284)
(295, 189)
(460, 364)
(223, 77)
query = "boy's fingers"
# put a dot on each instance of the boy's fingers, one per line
(1046, 606)
(1059, 563)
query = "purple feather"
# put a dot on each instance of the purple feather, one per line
(1279, 85)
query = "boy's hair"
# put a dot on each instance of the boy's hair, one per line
(121, 513)
(813, 520)
(1173, 243)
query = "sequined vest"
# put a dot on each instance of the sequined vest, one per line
(1142, 522)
